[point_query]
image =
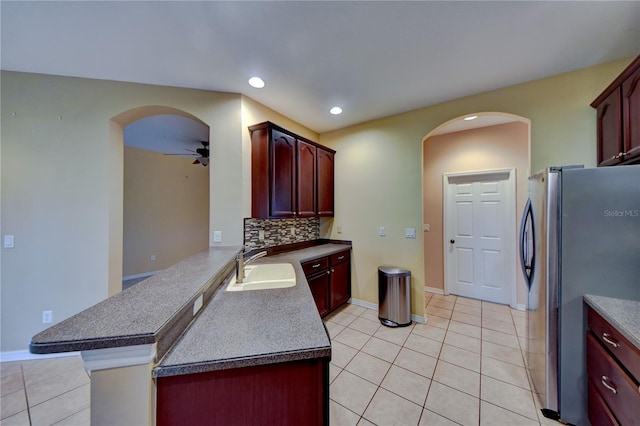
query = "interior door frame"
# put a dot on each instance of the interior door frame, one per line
(510, 246)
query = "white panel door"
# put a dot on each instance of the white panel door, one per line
(479, 235)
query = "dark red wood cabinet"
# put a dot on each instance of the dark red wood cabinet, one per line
(329, 279)
(307, 179)
(613, 371)
(290, 176)
(618, 119)
(325, 182)
(288, 393)
(282, 152)
(340, 283)
(319, 285)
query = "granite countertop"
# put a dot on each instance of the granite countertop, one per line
(145, 313)
(248, 328)
(623, 314)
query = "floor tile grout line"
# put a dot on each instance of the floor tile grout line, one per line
(26, 395)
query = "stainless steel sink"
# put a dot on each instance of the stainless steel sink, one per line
(265, 276)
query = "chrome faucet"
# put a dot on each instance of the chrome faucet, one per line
(241, 263)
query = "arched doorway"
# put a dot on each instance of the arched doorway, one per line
(165, 231)
(492, 142)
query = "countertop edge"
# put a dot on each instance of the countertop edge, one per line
(250, 361)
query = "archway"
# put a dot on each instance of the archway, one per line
(494, 141)
(116, 194)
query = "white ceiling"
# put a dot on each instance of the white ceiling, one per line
(374, 59)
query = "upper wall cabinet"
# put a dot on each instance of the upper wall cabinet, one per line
(325, 182)
(618, 116)
(291, 176)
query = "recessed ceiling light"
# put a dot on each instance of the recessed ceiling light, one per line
(335, 110)
(471, 117)
(256, 82)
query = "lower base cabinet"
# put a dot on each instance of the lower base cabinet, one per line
(329, 279)
(289, 393)
(319, 285)
(613, 370)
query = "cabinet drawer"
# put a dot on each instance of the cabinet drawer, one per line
(599, 413)
(617, 388)
(343, 256)
(315, 265)
(615, 343)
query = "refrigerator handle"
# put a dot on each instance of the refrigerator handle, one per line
(527, 259)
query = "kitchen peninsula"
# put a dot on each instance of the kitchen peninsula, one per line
(157, 350)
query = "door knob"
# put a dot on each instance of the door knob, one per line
(452, 241)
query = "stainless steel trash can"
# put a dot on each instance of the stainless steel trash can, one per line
(394, 296)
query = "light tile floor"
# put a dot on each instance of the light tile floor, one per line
(53, 391)
(464, 367)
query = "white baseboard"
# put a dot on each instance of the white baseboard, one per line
(418, 319)
(143, 275)
(25, 355)
(369, 305)
(434, 290)
(363, 303)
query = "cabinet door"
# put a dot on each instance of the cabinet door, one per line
(325, 182)
(340, 284)
(319, 285)
(283, 169)
(306, 179)
(610, 130)
(631, 115)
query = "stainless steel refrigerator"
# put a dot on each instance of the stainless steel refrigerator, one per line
(580, 234)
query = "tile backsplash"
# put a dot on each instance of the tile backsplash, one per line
(261, 233)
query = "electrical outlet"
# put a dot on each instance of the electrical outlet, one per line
(260, 234)
(153, 257)
(198, 304)
(339, 229)
(293, 231)
(217, 236)
(381, 231)
(47, 317)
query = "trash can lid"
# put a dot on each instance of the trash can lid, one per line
(393, 270)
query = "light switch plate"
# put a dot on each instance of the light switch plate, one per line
(382, 231)
(410, 232)
(9, 241)
(217, 236)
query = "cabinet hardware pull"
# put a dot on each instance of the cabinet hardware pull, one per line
(605, 381)
(316, 266)
(340, 257)
(605, 337)
(328, 272)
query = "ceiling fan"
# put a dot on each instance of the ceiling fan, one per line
(201, 153)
